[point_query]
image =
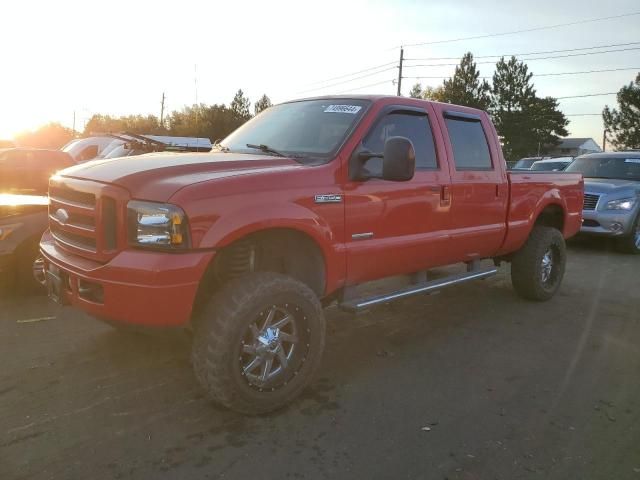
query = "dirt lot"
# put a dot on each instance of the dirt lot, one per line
(473, 383)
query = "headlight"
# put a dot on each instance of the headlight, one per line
(621, 204)
(6, 230)
(158, 225)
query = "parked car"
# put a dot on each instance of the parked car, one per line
(526, 163)
(24, 180)
(612, 196)
(294, 210)
(131, 144)
(551, 164)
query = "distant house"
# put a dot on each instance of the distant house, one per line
(574, 146)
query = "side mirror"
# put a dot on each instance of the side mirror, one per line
(399, 160)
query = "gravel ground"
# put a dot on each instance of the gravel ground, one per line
(473, 383)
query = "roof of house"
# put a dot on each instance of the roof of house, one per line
(573, 142)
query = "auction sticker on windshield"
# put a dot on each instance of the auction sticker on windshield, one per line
(353, 109)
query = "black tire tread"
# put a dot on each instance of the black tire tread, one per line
(525, 263)
(214, 328)
(627, 244)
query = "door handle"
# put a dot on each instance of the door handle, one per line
(445, 195)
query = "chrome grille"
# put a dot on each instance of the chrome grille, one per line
(83, 217)
(590, 201)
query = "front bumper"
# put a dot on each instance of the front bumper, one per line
(610, 224)
(136, 287)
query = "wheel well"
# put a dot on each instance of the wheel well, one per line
(279, 250)
(551, 216)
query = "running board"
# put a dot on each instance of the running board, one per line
(432, 286)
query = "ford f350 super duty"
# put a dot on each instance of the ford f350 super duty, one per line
(294, 211)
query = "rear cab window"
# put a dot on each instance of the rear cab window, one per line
(468, 141)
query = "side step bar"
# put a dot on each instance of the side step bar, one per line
(424, 287)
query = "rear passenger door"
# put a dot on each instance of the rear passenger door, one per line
(479, 189)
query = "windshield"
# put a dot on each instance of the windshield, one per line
(311, 128)
(618, 168)
(524, 163)
(549, 166)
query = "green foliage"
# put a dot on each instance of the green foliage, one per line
(211, 121)
(435, 94)
(131, 123)
(624, 124)
(240, 106)
(465, 87)
(52, 135)
(262, 104)
(526, 123)
(416, 91)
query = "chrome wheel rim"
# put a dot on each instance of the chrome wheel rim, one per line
(272, 349)
(38, 270)
(637, 235)
(547, 266)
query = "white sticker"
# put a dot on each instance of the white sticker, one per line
(632, 160)
(353, 109)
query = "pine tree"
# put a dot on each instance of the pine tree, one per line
(465, 87)
(624, 124)
(240, 106)
(526, 123)
(262, 104)
(416, 91)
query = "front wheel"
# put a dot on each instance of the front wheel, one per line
(631, 242)
(538, 267)
(258, 342)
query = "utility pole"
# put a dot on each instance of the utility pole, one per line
(604, 140)
(400, 72)
(162, 111)
(74, 123)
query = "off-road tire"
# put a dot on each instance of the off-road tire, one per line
(219, 331)
(627, 244)
(527, 264)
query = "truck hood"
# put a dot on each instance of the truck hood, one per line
(609, 185)
(157, 176)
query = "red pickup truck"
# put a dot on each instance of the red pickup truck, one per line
(294, 211)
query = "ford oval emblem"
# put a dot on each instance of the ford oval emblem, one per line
(62, 216)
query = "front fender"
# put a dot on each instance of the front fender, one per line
(238, 223)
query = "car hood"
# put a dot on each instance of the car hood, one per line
(157, 176)
(608, 185)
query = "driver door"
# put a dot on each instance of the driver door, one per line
(398, 227)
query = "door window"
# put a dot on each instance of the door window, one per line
(470, 148)
(414, 127)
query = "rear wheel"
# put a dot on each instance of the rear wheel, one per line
(631, 243)
(258, 342)
(538, 267)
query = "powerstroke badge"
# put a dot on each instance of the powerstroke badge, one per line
(328, 198)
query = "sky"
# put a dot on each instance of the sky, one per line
(118, 57)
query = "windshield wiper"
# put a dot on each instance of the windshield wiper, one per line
(266, 149)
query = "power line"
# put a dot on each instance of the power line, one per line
(347, 81)
(513, 32)
(551, 74)
(353, 73)
(528, 53)
(587, 95)
(389, 80)
(529, 59)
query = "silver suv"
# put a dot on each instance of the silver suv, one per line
(611, 196)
